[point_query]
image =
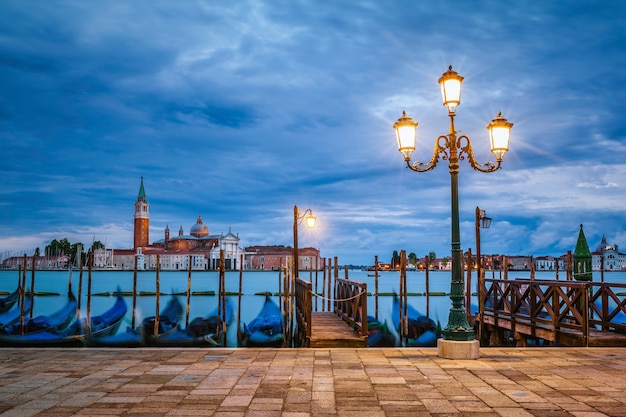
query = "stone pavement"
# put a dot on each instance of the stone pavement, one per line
(512, 382)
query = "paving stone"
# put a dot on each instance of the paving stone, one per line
(389, 382)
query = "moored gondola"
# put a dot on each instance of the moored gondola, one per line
(208, 331)
(77, 333)
(265, 330)
(140, 335)
(58, 320)
(420, 330)
(9, 301)
(379, 334)
(14, 313)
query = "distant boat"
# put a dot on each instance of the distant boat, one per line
(422, 331)
(266, 330)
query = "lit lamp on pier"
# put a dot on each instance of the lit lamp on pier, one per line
(458, 337)
(309, 220)
(482, 222)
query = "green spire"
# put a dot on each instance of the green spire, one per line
(582, 258)
(142, 192)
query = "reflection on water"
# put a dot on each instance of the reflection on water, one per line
(106, 282)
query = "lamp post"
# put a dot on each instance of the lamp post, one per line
(454, 148)
(482, 222)
(309, 220)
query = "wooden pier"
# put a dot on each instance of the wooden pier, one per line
(328, 330)
(567, 313)
(344, 327)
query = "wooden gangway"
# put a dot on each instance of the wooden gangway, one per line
(345, 326)
(568, 313)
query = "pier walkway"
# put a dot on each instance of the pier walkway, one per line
(512, 382)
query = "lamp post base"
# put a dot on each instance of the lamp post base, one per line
(454, 349)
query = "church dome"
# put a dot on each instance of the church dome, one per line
(199, 229)
(602, 246)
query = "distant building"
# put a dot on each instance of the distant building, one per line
(519, 263)
(275, 258)
(198, 249)
(41, 262)
(550, 263)
(608, 256)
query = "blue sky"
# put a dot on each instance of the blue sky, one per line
(237, 112)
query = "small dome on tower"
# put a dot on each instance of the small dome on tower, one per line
(199, 229)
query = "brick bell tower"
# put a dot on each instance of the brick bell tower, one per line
(142, 218)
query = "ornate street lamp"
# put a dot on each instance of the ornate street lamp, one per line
(309, 220)
(454, 148)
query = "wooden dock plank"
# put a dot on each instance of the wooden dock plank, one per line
(328, 330)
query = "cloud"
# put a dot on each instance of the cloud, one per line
(238, 112)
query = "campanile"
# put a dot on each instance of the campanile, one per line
(142, 218)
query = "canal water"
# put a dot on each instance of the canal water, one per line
(48, 283)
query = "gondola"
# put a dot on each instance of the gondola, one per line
(9, 301)
(58, 320)
(379, 334)
(422, 331)
(14, 313)
(201, 332)
(266, 329)
(77, 333)
(168, 322)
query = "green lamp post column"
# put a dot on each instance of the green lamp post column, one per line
(454, 148)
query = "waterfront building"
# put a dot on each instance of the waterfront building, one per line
(198, 249)
(41, 262)
(608, 257)
(275, 258)
(519, 263)
(550, 263)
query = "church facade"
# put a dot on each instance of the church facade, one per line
(608, 257)
(198, 249)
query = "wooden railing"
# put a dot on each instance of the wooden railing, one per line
(558, 311)
(608, 307)
(350, 304)
(303, 312)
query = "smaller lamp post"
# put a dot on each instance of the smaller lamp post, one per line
(309, 220)
(482, 222)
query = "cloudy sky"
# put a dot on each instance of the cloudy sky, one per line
(237, 111)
